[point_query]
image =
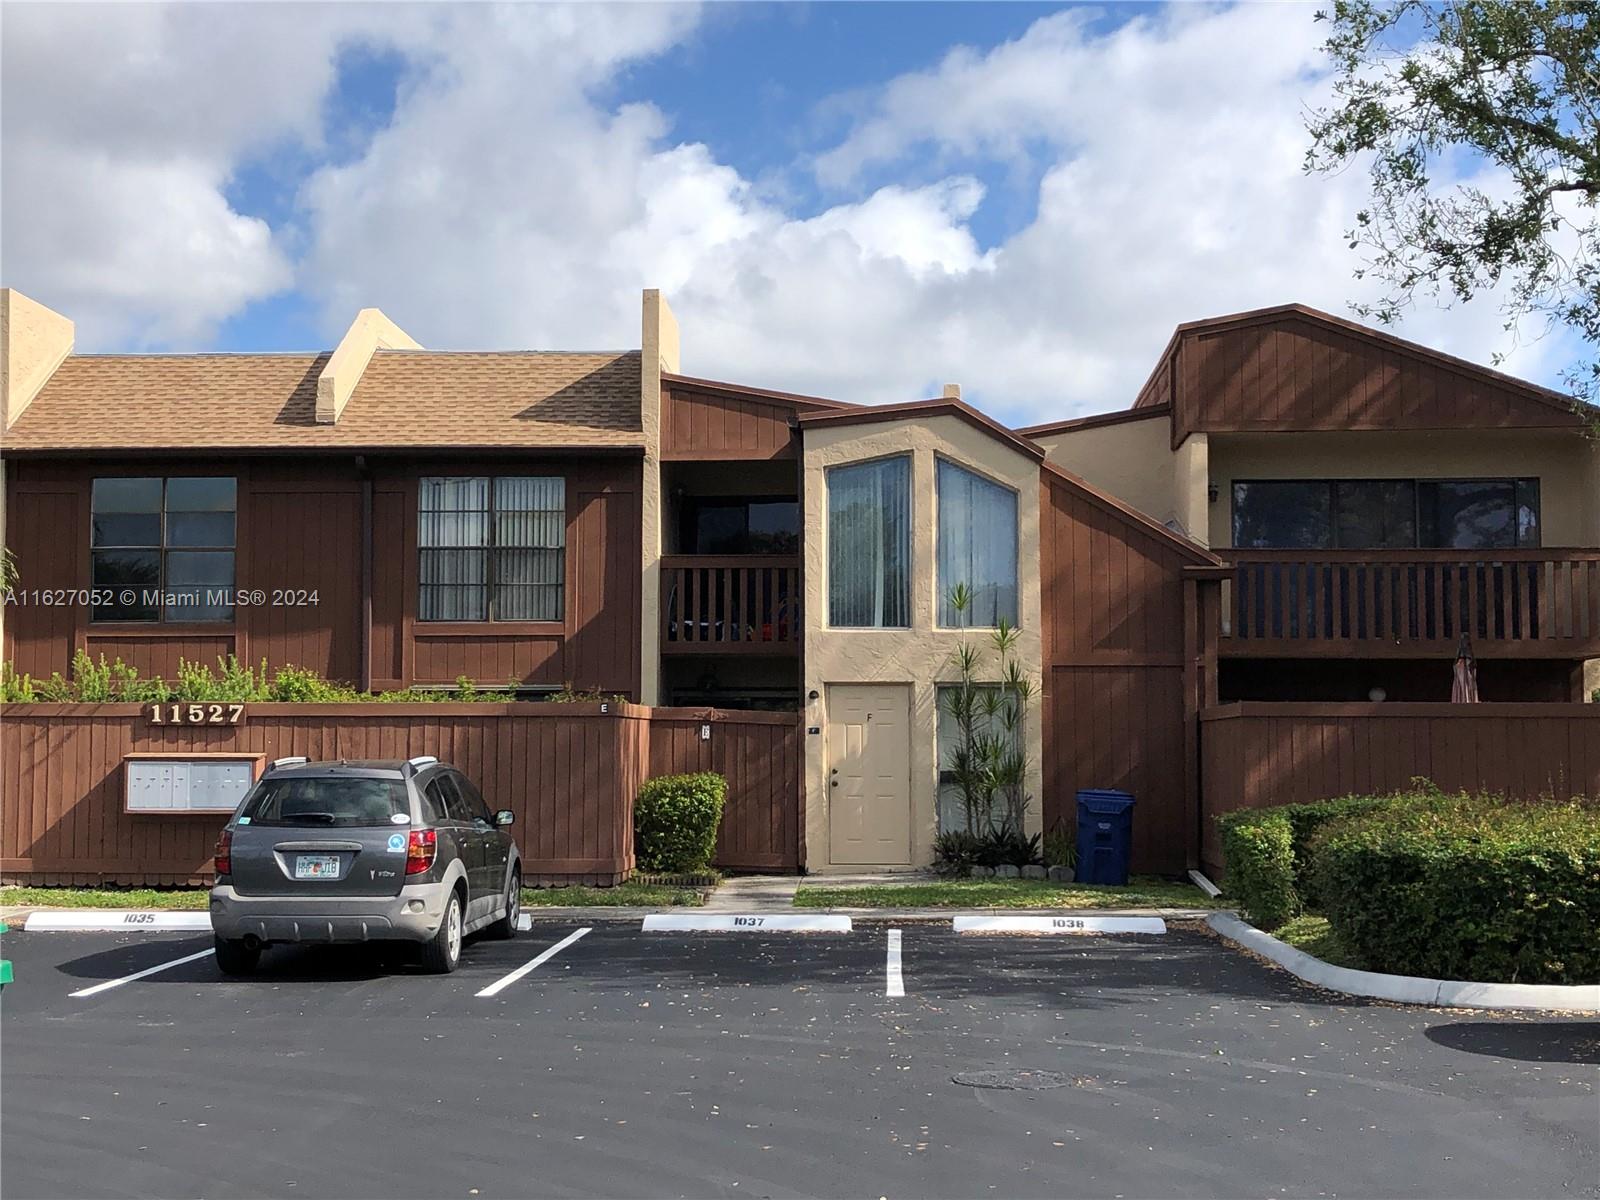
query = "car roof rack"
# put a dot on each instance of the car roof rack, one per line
(292, 761)
(413, 765)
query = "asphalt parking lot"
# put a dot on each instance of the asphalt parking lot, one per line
(754, 1064)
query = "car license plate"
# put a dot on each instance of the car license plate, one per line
(316, 866)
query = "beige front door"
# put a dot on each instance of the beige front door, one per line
(869, 774)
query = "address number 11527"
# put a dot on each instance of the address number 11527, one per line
(195, 714)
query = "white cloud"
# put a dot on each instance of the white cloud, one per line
(122, 126)
(506, 204)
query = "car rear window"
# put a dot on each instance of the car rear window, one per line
(326, 801)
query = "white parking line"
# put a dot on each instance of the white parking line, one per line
(111, 983)
(506, 981)
(896, 984)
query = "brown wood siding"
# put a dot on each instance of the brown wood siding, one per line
(704, 425)
(1258, 755)
(42, 524)
(1123, 671)
(309, 534)
(759, 755)
(299, 527)
(569, 772)
(605, 549)
(1290, 372)
(389, 530)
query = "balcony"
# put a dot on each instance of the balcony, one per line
(730, 604)
(1411, 603)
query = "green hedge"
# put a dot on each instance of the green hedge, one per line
(1467, 887)
(101, 682)
(1265, 852)
(675, 822)
(1258, 847)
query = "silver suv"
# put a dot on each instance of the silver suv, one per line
(363, 851)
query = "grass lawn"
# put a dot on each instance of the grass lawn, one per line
(66, 897)
(1313, 935)
(643, 895)
(1141, 892)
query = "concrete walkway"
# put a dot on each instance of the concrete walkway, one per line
(754, 894)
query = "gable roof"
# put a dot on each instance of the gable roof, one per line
(942, 407)
(1292, 367)
(406, 399)
(1096, 420)
(739, 391)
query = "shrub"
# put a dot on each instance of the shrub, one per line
(1258, 846)
(14, 688)
(1005, 845)
(1060, 848)
(955, 851)
(675, 821)
(1269, 881)
(1467, 887)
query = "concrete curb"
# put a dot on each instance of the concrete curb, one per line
(635, 914)
(1407, 989)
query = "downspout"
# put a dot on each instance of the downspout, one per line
(365, 682)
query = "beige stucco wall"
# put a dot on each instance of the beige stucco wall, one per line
(370, 332)
(918, 656)
(1565, 464)
(658, 354)
(33, 342)
(1132, 460)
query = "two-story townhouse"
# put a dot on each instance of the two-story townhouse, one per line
(400, 517)
(1375, 499)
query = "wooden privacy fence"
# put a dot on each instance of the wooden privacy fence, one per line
(570, 772)
(1261, 754)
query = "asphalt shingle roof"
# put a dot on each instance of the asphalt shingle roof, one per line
(406, 398)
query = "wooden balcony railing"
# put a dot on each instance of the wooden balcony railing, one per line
(733, 604)
(1512, 603)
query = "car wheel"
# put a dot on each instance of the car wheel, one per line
(441, 953)
(236, 958)
(506, 926)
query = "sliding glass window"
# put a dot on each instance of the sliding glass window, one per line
(977, 548)
(1385, 514)
(162, 549)
(869, 545)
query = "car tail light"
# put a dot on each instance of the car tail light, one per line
(222, 859)
(421, 846)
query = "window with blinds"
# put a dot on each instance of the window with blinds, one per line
(977, 546)
(869, 545)
(492, 549)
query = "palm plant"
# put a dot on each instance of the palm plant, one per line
(989, 762)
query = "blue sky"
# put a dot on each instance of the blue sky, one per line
(861, 200)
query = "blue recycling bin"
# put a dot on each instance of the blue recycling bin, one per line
(1105, 836)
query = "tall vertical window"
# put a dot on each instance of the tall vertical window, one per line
(162, 549)
(977, 547)
(869, 545)
(492, 549)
